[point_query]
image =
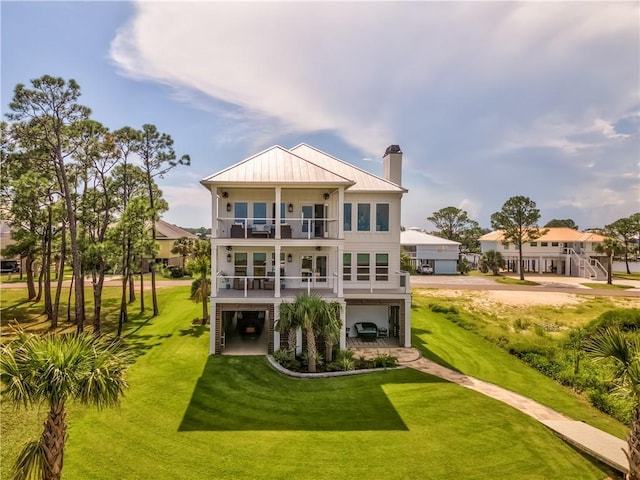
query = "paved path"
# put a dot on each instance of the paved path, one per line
(601, 445)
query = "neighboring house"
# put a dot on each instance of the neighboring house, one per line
(428, 250)
(560, 250)
(166, 235)
(7, 264)
(300, 220)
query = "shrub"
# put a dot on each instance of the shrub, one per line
(195, 285)
(176, 272)
(626, 319)
(519, 324)
(384, 360)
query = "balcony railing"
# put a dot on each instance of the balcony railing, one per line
(296, 228)
(259, 286)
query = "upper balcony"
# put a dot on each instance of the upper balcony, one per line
(267, 228)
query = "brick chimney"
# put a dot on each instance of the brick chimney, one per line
(392, 164)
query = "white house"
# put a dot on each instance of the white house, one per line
(560, 250)
(286, 221)
(424, 249)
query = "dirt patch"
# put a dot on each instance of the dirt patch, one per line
(512, 298)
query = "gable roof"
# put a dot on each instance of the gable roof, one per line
(554, 234)
(169, 231)
(277, 165)
(364, 181)
(415, 236)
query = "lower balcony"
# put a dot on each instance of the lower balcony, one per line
(234, 287)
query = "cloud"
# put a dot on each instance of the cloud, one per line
(467, 88)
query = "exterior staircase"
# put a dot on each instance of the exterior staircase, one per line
(588, 267)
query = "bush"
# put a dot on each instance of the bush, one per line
(384, 360)
(176, 272)
(195, 285)
(626, 319)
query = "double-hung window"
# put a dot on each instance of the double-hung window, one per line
(382, 267)
(364, 217)
(346, 267)
(363, 267)
(347, 217)
(382, 217)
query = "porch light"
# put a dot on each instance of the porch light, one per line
(228, 207)
(290, 208)
(225, 194)
(228, 258)
(325, 196)
(289, 258)
(318, 248)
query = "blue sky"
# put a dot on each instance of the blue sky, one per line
(487, 99)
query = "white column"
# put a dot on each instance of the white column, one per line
(212, 330)
(214, 212)
(343, 327)
(299, 341)
(276, 333)
(339, 278)
(276, 287)
(407, 323)
(341, 213)
(540, 265)
(278, 218)
(214, 270)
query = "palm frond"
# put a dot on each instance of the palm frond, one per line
(30, 463)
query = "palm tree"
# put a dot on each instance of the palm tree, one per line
(491, 260)
(289, 321)
(183, 247)
(623, 354)
(329, 325)
(200, 264)
(52, 370)
(609, 247)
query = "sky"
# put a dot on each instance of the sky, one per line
(487, 100)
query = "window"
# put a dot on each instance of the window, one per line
(534, 244)
(240, 263)
(346, 267)
(554, 244)
(240, 209)
(544, 244)
(364, 217)
(382, 267)
(259, 213)
(259, 264)
(505, 246)
(307, 214)
(347, 217)
(382, 217)
(363, 267)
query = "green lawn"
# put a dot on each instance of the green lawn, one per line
(189, 416)
(453, 346)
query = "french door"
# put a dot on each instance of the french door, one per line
(314, 269)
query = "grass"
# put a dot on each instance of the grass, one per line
(189, 416)
(606, 286)
(447, 343)
(627, 276)
(513, 281)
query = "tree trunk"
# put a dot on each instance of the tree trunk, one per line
(141, 286)
(46, 266)
(154, 295)
(40, 274)
(312, 351)
(633, 442)
(97, 300)
(291, 340)
(610, 270)
(132, 288)
(31, 288)
(60, 278)
(69, 300)
(53, 440)
(521, 262)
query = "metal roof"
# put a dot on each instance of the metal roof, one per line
(169, 231)
(277, 165)
(418, 237)
(364, 181)
(554, 234)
